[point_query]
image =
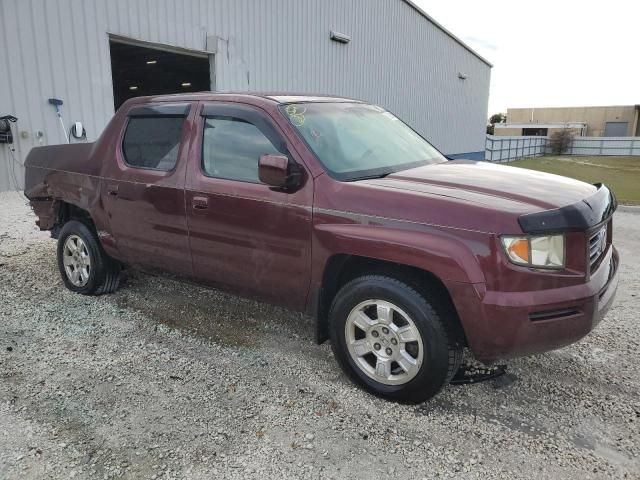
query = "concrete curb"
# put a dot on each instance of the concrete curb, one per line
(629, 208)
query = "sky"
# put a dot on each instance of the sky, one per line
(550, 53)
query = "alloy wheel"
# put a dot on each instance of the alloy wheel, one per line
(384, 342)
(76, 261)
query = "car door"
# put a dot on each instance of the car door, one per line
(246, 236)
(143, 188)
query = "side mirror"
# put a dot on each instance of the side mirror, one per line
(279, 171)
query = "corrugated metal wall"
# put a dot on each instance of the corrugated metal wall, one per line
(396, 58)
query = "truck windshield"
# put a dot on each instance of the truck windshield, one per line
(355, 141)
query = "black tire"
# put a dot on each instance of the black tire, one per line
(104, 274)
(442, 352)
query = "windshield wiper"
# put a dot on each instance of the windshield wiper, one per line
(370, 177)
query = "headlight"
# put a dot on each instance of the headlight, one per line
(538, 251)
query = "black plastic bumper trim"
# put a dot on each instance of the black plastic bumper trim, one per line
(553, 314)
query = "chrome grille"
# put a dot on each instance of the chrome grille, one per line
(597, 246)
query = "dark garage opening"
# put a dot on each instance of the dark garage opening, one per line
(138, 71)
(535, 132)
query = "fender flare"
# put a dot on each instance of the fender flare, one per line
(440, 251)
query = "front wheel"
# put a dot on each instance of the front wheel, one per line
(389, 339)
(84, 265)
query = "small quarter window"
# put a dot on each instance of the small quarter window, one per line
(153, 142)
(232, 147)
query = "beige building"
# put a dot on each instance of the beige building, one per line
(612, 121)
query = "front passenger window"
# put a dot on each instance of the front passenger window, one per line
(231, 148)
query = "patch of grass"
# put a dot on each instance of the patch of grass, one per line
(620, 174)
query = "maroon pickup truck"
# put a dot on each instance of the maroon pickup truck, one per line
(336, 208)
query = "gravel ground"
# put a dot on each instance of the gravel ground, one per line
(169, 380)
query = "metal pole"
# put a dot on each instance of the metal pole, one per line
(486, 146)
(64, 130)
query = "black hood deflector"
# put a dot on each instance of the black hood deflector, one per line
(583, 215)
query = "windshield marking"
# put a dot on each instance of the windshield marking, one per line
(296, 114)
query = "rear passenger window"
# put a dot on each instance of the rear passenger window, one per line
(231, 148)
(153, 142)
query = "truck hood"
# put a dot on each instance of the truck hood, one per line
(495, 186)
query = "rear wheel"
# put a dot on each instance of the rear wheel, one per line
(389, 339)
(84, 265)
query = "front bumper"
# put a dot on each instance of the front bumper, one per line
(512, 324)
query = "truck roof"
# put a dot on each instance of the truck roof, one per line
(279, 98)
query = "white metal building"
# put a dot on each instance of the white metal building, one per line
(92, 54)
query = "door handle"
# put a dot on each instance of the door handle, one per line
(112, 189)
(200, 203)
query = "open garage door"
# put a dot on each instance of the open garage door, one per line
(146, 70)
